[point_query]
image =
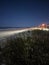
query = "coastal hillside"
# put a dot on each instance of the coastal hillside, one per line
(26, 48)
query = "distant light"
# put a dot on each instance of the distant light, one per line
(43, 24)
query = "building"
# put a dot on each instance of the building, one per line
(44, 26)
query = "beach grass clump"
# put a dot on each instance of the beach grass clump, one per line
(27, 48)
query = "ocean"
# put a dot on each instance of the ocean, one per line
(10, 28)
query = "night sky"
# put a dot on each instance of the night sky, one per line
(23, 13)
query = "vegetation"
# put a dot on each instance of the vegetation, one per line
(27, 48)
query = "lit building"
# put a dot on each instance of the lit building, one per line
(43, 26)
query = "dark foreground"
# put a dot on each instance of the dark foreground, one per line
(27, 48)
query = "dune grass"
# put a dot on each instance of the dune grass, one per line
(27, 48)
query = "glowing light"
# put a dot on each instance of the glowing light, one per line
(43, 24)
